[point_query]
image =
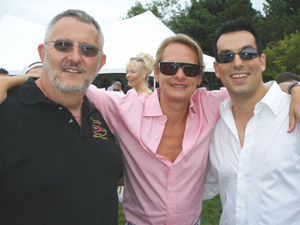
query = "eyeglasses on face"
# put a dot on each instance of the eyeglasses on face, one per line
(171, 68)
(66, 46)
(246, 54)
(137, 59)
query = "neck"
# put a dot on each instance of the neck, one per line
(176, 112)
(140, 87)
(73, 102)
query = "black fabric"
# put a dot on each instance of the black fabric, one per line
(51, 170)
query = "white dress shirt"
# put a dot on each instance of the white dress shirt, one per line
(259, 183)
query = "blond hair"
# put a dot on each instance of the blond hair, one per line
(182, 39)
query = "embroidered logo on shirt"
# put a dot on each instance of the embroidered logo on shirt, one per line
(98, 131)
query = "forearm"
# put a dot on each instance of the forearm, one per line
(7, 83)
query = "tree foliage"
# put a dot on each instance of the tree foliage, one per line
(200, 18)
(161, 9)
(281, 18)
(283, 56)
(197, 22)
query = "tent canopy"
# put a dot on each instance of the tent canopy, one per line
(122, 40)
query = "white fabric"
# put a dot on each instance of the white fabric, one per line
(260, 183)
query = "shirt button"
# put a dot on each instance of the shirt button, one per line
(161, 118)
(171, 167)
(70, 121)
(156, 137)
(171, 212)
(238, 151)
(241, 178)
(60, 108)
(240, 206)
(171, 190)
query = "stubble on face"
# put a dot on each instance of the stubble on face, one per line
(57, 82)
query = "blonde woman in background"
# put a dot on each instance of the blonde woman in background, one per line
(138, 69)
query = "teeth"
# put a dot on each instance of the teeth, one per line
(239, 75)
(72, 71)
(174, 85)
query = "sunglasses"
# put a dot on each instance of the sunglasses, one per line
(246, 54)
(67, 46)
(137, 59)
(171, 68)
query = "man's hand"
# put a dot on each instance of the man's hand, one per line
(294, 113)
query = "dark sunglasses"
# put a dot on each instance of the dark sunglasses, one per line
(246, 54)
(67, 46)
(137, 59)
(171, 68)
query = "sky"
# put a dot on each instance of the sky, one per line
(42, 11)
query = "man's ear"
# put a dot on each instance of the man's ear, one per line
(102, 62)
(199, 78)
(216, 67)
(155, 70)
(263, 62)
(41, 50)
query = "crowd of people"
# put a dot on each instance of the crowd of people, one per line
(66, 145)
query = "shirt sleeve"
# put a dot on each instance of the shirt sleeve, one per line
(211, 186)
(107, 103)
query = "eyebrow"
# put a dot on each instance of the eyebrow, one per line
(241, 49)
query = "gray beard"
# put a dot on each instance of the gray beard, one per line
(63, 87)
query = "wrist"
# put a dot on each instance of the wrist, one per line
(291, 86)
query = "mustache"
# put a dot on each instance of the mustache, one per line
(72, 64)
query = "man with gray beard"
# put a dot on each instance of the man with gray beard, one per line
(59, 163)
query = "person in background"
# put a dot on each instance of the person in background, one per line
(138, 70)
(117, 86)
(110, 87)
(33, 68)
(59, 163)
(254, 162)
(126, 88)
(3, 72)
(287, 76)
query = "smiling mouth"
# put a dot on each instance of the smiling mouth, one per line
(239, 75)
(72, 71)
(176, 85)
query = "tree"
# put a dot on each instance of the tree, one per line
(236, 9)
(283, 56)
(161, 9)
(196, 22)
(282, 17)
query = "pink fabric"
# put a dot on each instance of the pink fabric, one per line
(157, 191)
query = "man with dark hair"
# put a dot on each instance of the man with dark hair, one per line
(254, 162)
(3, 72)
(59, 163)
(287, 76)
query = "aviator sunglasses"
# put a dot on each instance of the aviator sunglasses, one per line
(171, 68)
(246, 54)
(67, 46)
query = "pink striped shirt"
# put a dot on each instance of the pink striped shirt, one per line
(157, 191)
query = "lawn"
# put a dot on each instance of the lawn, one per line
(210, 215)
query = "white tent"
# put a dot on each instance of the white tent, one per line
(122, 40)
(19, 41)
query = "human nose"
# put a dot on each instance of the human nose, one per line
(75, 54)
(237, 61)
(180, 73)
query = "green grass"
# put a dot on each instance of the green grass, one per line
(210, 215)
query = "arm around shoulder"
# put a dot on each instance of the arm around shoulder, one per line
(7, 83)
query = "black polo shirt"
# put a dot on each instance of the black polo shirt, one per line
(52, 171)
